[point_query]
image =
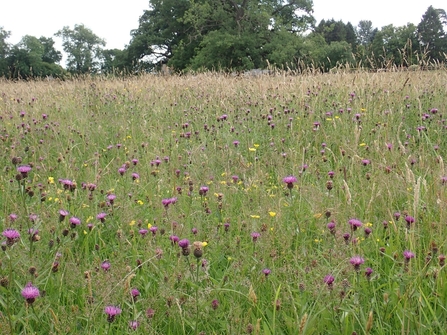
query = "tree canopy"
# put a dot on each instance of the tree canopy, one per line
(230, 35)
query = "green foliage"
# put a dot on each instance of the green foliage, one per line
(83, 49)
(431, 33)
(4, 51)
(34, 57)
(219, 34)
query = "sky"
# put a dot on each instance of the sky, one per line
(113, 20)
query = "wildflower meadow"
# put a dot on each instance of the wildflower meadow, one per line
(212, 204)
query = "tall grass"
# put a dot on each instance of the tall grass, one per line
(364, 146)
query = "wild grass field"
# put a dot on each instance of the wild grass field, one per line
(208, 204)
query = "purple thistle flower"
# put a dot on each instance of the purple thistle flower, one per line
(143, 232)
(74, 221)
(396, 216)
(409, 220)
(101, 216)
(255, 236)
(354, 223)
(150, 313)
(153, 230)
(329, 280)
(30, 293)
(111, 312)
(408, 255)
(331, 227)
(356, 261)
(105, 265)
(346, 237)
(134, 324)
(235, 143)
(62, 214)
(13, 217)
(183, 243)
(203, 190)
(111, 198)
(194, 231)
(368, 272)
(215, 304)
(174, 239)
(266, 271)
(24, 170)
(366, 162)
(11, 235)
(122, 170)
(289, 180)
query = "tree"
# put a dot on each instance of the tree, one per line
(365, 32)
(30, 58)
(83, 48)
(213, 34)
(114, 60)
(431, 33)
(4, 51)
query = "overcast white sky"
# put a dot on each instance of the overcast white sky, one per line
(113, 20)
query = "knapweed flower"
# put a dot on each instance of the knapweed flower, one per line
(105, 265)
(30, 293)
(203, 190)
(168, 201)
(331, 227)
(101, 216)
(11, 235)
(143, 232)
(184, 244)
(266, 271)
(354, 223)
(68, 184)
(62, 214)
(112, 312)
(255, 236)
(74, 221)
(356, 261)
(153, 229)
(408, 255)
(368, 273)
(135, 176)
(366, 162)
(134, 324)
(135, 294)
(329, 280)
(215, 304)
(24, 170)
(150, 313)
(174, 239)
(396, 216)
(289, 180)
(111, 198)
(409, 220)
(13, 217)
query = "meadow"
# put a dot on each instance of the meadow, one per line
(211, 204)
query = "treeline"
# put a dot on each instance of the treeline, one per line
(230, 36)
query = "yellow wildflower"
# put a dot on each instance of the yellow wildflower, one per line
(272, 214)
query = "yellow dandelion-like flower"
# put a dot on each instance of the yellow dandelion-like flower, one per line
(223, 182)
(85, 232)
(252, 149)
(362, 144)
(50, 198)
(255, 216)
(56, 199)
(328, 119)
(317, 215)
(90, 218)
(204, 244)
(128, 137)
(363, 109)
(337, 117)
(272, 228)
(85, 206)
(149, 226)
(368, 224)
(140, 202)
(223, 174)
(229, 258)
(50, 180)
(132, 223)
(272, 214)
(256, 145)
